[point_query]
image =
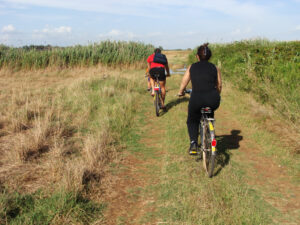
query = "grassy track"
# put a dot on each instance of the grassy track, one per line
(254, 183)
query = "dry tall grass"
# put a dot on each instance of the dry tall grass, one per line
(61, 131)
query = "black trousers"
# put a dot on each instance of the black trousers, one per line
(197, 101)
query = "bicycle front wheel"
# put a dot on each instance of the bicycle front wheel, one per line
(208, 156)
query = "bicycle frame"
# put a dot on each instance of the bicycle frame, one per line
(157, 84)
(157, 97)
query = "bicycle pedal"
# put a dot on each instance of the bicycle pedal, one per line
(193, 152)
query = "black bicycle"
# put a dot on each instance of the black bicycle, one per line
(207, 149)
(157, 95)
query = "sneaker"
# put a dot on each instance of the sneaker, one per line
(193, 148)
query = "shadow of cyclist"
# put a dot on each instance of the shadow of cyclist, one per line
(225, 144)
(173, 103)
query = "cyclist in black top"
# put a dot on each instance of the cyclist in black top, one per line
(206, 86)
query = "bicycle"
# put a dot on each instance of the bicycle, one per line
(208, 143)
(157, 96)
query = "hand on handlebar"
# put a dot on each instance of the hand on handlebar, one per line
(181, 94)
(185, 91)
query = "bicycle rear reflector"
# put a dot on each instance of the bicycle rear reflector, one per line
(156, 88)
(214, 143)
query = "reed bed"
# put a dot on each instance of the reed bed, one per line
(106, 53)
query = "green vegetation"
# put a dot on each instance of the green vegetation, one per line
(269, 70)
(59, 208)
(105, 53)
(182, 191)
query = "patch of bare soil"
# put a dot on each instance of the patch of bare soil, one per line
(127, 202)
(271, 179)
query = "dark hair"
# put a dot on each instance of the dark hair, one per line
(157, 50)
(204, 52)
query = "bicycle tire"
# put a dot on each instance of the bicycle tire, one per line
(208, 157)
(156, 103)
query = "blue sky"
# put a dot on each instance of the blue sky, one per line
(168, 23)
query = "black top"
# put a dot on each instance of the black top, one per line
(204, 76)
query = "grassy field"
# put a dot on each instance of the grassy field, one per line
(269, 70)
(57, 140)
(82, 145)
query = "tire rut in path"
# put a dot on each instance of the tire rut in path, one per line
(127, 201)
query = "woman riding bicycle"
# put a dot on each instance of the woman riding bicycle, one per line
(206, 86)
(158, 68)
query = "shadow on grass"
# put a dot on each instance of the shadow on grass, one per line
(225, 144)
(173, 103)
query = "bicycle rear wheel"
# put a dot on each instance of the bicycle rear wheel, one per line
(208, 157)
(156, 103)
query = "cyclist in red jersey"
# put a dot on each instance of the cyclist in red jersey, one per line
(157, 68)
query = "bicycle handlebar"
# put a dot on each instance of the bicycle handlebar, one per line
(186, 91)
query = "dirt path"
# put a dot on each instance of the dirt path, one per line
(156, 159)
(127, 202)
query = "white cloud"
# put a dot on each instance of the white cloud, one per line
(119, 35)
(239, 31)
(58, 30)
(51, 35)
(9, 28)
(114, 33)
(297, 27)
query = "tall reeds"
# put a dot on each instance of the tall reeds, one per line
(105, 53)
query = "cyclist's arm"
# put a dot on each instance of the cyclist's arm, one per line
(168, 70)
(149, 65)
(219, 81)
(185, 80)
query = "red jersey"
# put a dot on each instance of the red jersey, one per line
(153, 64)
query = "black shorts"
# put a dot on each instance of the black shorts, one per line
(160, 71)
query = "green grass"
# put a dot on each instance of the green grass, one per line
(37, 208)
(188, 196)
(183, 193)
(269, 70)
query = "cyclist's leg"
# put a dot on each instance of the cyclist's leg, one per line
(162, 82)
(193, 119)
(152, 72)
(148, 83)
(163, 91)
(152, 86)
